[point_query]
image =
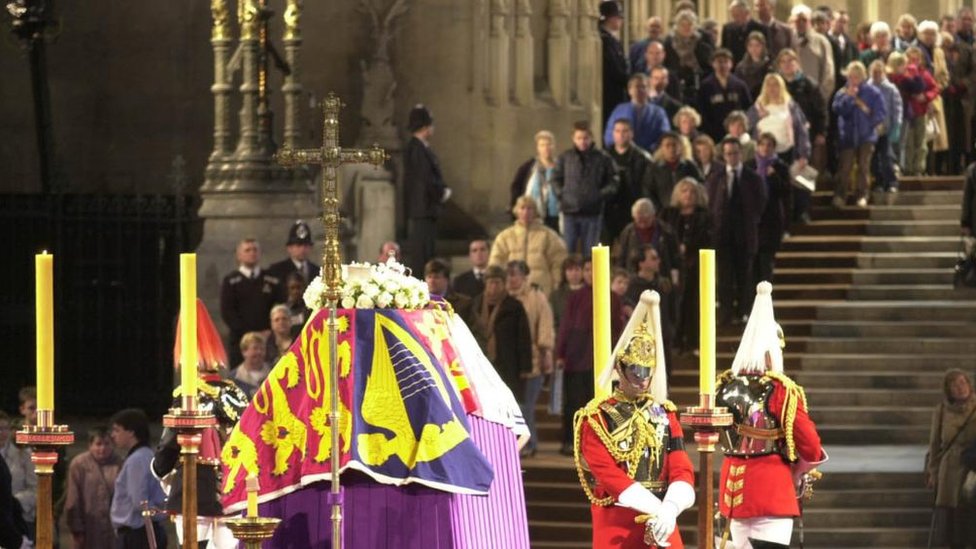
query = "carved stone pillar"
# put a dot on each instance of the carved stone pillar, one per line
(524, 54)
(252, 162)
(589, 60)
(220, 38)
(558, 53)
(498, 55)
(291, 89)
(636, 20)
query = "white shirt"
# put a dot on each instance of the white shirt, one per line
(249, 272)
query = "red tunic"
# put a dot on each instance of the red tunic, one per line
(763, 486)
(613, 526)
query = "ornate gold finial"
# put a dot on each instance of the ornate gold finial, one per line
(248, 16)
(641, 350)
(221, 17)
(292, 16)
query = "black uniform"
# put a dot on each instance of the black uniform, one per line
(245, 304)
(284, 268)
(716, 102)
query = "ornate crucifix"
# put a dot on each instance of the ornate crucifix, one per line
(331, 156)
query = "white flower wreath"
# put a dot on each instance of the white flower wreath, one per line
(366, 286)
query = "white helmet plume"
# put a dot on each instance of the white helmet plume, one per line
(648, 310)
(761, 337)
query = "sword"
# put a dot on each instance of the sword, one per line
(147, 515)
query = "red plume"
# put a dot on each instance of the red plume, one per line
(210, 349)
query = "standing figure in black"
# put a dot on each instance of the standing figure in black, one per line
(615, 71)
(424, 187)
(299, 246)
(246, 296)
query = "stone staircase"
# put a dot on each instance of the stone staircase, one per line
(871, 320)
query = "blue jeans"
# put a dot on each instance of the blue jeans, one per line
(882, 167)
(533, 387)
(583, 230)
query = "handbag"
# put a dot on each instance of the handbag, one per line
(931, 127)
(964, 273)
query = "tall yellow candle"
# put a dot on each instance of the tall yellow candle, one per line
(188, 323)
(252, 495)
(44, 304)
(601, 317)
(706, 344)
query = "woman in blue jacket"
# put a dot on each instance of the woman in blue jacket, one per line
(860, 111)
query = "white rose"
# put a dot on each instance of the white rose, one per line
(364, 302)
(348, 302)
(401, 300)
(384, 300)
(371, 289)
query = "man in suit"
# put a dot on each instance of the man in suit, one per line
(779, 35)
(425, 189)
(299, 245)
(736, 200)
(472, 283)
(246, 297)
(659, 83)
(437, 275)
(736, 31)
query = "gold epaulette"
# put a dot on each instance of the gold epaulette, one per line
(795, 397)
(669, 406)
(725, 376)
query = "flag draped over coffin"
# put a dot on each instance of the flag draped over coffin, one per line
(404, 396)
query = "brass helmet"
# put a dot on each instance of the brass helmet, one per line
(639, 355)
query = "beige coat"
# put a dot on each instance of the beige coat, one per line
(541, 324)
(940, 72)
(948, 471)
(539, 246)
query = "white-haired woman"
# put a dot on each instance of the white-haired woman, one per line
(933, 58)
(881, 48)
(688, 54)
(646, 228)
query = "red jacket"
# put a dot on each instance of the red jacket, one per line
(613, 526)
(763, 486)
(916, 80)
(574, 343)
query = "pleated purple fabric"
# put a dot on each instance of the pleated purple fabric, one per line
(498, 520)
(376, 516)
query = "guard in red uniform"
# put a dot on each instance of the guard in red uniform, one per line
(629, 449)
(772, 444)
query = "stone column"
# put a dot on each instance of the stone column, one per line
(524, 54)
(498, 55)
(637, 13)
(291, 89)
(558, 53)
(589, 60)
(251, 160)
(220, 38)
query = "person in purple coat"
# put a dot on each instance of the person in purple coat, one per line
(860, 111)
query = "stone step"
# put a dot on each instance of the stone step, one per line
(888, 345)
(861, 415)
(881, 361)
(903, 198)
(579, 534)
(844, 328)
(916, 213)
(863, 276)
(866, 260)
(875, 244)
(917, 292)
(895, 310)
(930, 183)
(849, 227)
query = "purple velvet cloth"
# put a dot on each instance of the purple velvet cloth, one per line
(375, 516)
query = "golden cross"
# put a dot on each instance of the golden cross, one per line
(331, 156)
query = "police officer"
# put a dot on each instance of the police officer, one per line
(299, 246)
(246, 297)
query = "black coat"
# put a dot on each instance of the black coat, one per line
(811, 102)
(615, 72)
(661, 179)
(284, 268)
(246, 302)
(690, 78)
(779, 36)
(422, 180)
(468, 284)
(968, 218)
(633, 166)
(584, 180)
(12, 526)
(520, 181)
(738, 227)
(694, 231)
(716, 102)
(776, 215)
(669, 103)
(513, 341)
(629, 244)
(734, 37)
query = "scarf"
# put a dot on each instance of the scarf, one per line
(487, 320)
(540, 189)
(685, 47)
